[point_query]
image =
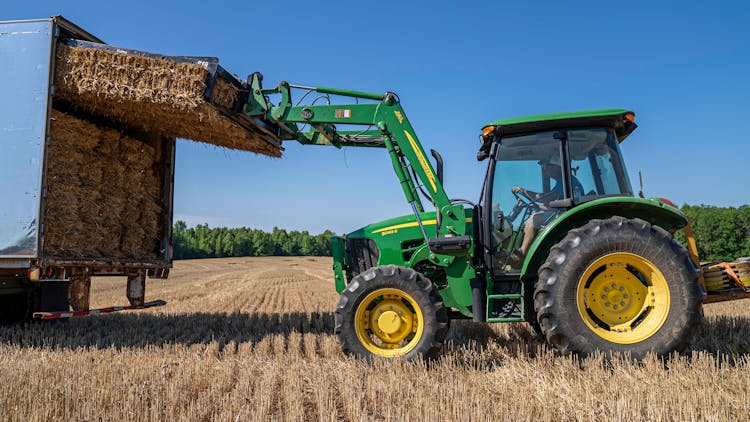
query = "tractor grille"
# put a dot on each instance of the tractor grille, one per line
(362, 254)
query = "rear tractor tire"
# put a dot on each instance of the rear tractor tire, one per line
(391, 312)
(621, 286)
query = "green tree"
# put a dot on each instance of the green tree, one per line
(203, 241)
(721, 233)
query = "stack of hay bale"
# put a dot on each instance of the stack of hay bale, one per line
(105, 172)
(104, 192)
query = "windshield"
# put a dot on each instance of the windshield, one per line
(529, 176)
(596, 162)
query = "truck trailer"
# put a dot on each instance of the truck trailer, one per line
(88, 135)
(82, 196)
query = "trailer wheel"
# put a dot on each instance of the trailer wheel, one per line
(391, 311)
(622, 286)
(15, 308)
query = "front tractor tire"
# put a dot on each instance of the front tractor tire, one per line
(621, 286)
(389, 312)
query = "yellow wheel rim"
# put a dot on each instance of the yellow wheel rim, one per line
(389, 323)
(623, 298)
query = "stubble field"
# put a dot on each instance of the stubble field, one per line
(252, 339)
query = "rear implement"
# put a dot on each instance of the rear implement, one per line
(726, 280)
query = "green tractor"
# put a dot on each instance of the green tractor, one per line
(557, 239)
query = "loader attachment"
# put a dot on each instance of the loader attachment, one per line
(174, 96)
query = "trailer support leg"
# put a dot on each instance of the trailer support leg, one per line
(137, 288)
(79, 291)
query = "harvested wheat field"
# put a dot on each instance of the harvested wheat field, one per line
(252, 339)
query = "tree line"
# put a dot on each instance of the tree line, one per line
(202, 241)
(721, 233)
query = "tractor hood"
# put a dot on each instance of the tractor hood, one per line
(396, 224)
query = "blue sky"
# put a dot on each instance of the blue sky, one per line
(683, 67)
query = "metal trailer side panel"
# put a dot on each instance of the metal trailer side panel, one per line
(169, 153)
(25, 55)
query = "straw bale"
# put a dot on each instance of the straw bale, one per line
(224, 94)
(109, 147)
(86, 134)
(152, 95)
(98, 179)
(132, 240)
(136, 153)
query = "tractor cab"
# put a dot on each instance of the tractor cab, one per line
(539, 167)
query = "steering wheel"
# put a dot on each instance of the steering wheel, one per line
(523, 197)
(523, 202)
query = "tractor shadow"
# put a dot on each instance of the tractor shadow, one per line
(477, 345)
(140, 330)
(485, 346)
(724, 336)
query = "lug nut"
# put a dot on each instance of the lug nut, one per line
(606, 304)
(614, 286)
(625, 295)
(606, 289)
(604, 297)
(622, 289)
(614, 307)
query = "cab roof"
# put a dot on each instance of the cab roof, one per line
(609, 117)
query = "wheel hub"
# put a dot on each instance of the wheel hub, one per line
(389, 322)
(618, 301)
(623, 297)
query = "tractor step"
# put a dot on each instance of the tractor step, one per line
(506, 296)
(511, 307)
(59, 315)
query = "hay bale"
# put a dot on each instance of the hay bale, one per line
(98, 180)
(155, 96)
(224, 94)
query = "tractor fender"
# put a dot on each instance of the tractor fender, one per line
(652, 210)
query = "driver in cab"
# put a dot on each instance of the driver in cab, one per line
(552, 170)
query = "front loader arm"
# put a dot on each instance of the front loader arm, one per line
(388, 127)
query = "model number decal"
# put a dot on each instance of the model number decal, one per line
(399, 116)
